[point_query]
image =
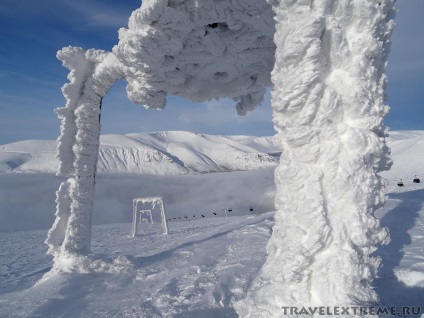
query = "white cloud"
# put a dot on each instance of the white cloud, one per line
(215, 112)
(100, 15)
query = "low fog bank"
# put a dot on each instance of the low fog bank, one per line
(27, 201)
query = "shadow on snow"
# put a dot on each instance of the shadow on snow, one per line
(399, 220)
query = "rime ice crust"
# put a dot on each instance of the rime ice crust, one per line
(328, 108)
(200, 50)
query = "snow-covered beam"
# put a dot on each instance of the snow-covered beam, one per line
(200, 50)
(328, 108)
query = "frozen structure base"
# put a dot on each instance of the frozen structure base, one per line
(154, 201)
(328, 59)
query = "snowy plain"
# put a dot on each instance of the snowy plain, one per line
(205, 264)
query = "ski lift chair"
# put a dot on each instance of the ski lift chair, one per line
(416, 180)
(400, 183)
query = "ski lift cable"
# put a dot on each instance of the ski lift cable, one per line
(397, 179)
(415, 180)
(408, 177)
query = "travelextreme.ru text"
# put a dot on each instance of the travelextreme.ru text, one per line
(349, 310)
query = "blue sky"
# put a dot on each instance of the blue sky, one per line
(31, 33)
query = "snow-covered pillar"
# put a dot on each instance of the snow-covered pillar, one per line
(135, 221)
(92, 73)
(328, 108)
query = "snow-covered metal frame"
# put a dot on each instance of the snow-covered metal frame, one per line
(328, 59)
(154, 201)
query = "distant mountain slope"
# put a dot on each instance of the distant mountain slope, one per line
(180, 153)
(28, 156)
(407, 154)
(159, 153)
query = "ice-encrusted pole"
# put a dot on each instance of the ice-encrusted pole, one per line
(92, 73)
(328, 108)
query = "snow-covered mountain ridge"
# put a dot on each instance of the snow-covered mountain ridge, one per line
(180, 153)
(158, 153)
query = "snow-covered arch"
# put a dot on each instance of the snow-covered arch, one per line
(196, 49)
(328, 108)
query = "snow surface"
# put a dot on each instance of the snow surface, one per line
(195, 271)
(199, 270)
